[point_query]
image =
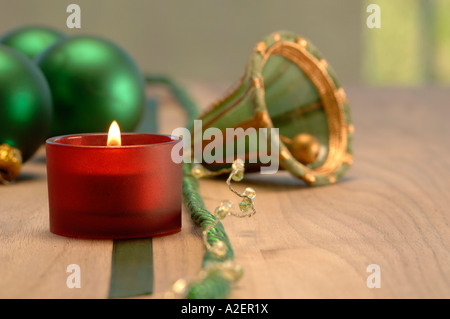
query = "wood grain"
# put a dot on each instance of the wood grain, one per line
(391, 209)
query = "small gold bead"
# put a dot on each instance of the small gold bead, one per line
(276, 37)
(350, 129)
(284, 154)
(348, 159)
(310, 178)
(197, 171)
(10, 163)
(257, 82)
(341, 97)
(260, 47)
(305, 148)
(332, 179)
(302, 42)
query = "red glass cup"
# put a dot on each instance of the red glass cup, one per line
(106, 192)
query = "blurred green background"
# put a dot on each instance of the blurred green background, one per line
(211, 40)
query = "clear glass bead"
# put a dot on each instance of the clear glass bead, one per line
(245, 205)
(238, 165)
(227, 204)
(231, 271)
(219, 248)
(180, 287)
(224, 209)
(250, 192)
(237, 176)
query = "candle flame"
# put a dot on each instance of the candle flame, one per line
(114, 135)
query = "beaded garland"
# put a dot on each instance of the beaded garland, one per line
(219, 271)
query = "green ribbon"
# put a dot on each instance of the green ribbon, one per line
(132, 268)
(132, 259)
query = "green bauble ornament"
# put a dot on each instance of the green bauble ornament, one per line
(31, 40)
(93, 82)
(25, 103)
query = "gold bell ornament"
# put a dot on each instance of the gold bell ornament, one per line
(287, 86)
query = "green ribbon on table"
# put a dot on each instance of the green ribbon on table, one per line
(132, 268)
(132, 259)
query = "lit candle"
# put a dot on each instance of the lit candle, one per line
(120, 185)
(114, 138)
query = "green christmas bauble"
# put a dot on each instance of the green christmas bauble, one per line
(93, 82)
(25, 103)
(31, 40)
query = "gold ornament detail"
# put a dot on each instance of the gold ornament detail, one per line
(10, 163)
(304, 147)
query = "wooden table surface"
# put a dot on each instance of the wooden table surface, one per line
(391, 209)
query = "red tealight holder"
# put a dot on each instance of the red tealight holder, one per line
(106, 192)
